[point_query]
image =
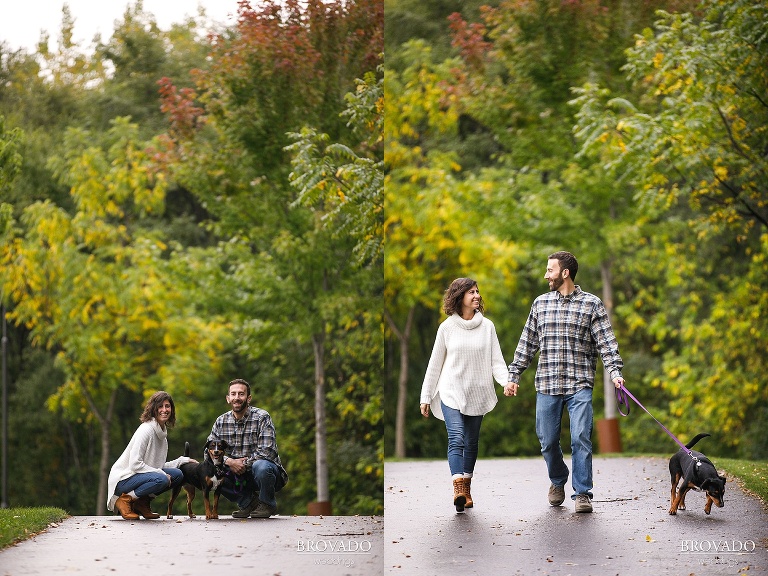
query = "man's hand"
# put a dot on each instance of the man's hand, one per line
(618, 382)
(510, 389)
(237, 465)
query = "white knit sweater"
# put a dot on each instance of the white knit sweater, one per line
(465, 360)
(146, 452)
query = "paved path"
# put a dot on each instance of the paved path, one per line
(513, 530)
(285, 545)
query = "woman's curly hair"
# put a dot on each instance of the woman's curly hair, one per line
(454, 296)
(153, 406)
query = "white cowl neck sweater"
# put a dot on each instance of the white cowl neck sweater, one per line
(146, 452)
(466, 358)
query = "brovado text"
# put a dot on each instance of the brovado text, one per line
(334, 547)
(717, 547)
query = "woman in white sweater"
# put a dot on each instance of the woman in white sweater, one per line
(141, 472)
(458, 384)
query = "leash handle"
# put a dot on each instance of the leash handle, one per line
(621, 397)
(621, 400)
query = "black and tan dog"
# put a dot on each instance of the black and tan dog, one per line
(207, 476)
(697, 472)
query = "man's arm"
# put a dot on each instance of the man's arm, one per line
(606, 343)
(263, 441)
(526, 349)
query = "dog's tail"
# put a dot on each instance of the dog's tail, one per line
(186, 449)
(696, 439)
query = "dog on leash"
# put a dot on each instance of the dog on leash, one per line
(207, 476)
(698, 473)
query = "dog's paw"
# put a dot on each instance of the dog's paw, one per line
(681, 507)
(672, 512)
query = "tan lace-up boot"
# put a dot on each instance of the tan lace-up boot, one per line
(124, 506)
(467, 485)
(459, 495)
(141, 506)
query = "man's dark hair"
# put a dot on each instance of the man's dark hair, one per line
(567, 261)
(240, 381)
(455, 295)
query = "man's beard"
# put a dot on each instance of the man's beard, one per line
(556, 283)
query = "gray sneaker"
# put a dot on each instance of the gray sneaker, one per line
(246, 511)
(263, 511)
(556, 495)
(583, 503)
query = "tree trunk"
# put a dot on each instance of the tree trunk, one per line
(402, 382)
(106, 421)
(321, 445)
(608, 388)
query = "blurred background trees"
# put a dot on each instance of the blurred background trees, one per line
(632, 134)
(168, 225)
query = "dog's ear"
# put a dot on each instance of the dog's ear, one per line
(722, 478)
(224, 444)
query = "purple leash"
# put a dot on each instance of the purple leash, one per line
(621, 397)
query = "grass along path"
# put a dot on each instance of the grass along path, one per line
(17, 524)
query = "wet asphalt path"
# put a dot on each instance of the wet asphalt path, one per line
(513, 530)
(284, 545)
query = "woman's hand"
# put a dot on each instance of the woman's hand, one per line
(424, 410)
(510, 389)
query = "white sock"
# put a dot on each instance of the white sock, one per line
(133, 496)
(455, 476)
(467, 475)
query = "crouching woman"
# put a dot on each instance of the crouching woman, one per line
(141, 472)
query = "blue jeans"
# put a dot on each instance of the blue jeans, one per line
(262, 481)
(463, 440)
(150, 483)
(549, 416)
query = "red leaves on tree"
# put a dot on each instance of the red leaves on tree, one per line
(180, 108)
(469, 39)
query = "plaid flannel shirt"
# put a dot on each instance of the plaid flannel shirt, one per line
(569, 331)
(252, 438)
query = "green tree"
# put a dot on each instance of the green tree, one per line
(92, 287)
(348, 183)
(434, 225)
(287, 67)
(689, 143)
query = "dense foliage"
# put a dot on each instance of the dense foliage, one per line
(632, 134)
(166, 224)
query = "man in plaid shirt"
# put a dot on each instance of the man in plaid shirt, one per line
(569, 327)
(253, 454)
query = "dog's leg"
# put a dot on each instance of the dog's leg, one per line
(674, 494)
(208, 512)
(190, 498)
(708, 505)
(216, 504)
(681, 505)
(174, 493)
(676, 503)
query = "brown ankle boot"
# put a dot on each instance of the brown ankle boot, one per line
(459, 496)
(467, 484)
(142, 507)
(124, 506)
